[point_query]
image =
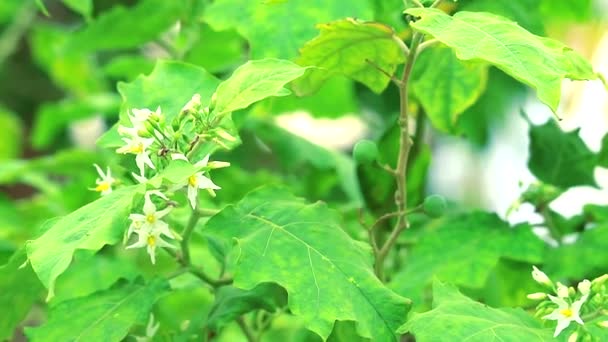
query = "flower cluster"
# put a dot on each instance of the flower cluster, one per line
(155, 144)
(567, 304)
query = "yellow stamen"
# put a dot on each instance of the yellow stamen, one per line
(151, 240)
(136, 149)
(150, 218)
(192, 180)
(566, 312)
(104, 186)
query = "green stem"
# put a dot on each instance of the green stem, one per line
(246, 330)
(187, 234)
(405, 144)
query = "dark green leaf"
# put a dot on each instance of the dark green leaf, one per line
(102, 316)
(559, 158)
(456, 317)
(446, 86)
(216, 51)
(230, 302)
(10, 145)
(352, 48)
(19, 289)
(84, 7)
(277, 233)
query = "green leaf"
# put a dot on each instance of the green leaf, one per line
(471, 246)
(102, 316)
(12, 131)
(216, 50)
(19, 290)
(585, 258)
(84, 7)
(128, 67)
(91, 227)
(603, 154)
(352, 48)
(231, 303)
(122, 28)
(539, 62)
(279, 29)
(559, 158)
(438, 74)
(456, 317)
(277, 233)
(255, 81)
(525, 13)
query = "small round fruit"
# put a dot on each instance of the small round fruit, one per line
(434, 206)
(365, 152)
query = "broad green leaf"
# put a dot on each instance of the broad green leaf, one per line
(277, 233)
(19, 289)
(470, 245)
(255, 81)
(352, 48)
(122, 28)
(230, 303)
(456, 317)
(101, 316)
(539, 62)
(84, 7)
(603, 154)
(128, 67)
(91, 227)
(12, 131)
(446, 86)
(584, 258)
(278, 30)
(560, 158)
(52, 118)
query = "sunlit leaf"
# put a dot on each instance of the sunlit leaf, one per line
(539, 62)
(277, 233)
(102, 316)
(91, 227)
(456, 317)
(255, 81)
(278, 30)
(353, 48)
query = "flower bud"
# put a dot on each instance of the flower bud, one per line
(584, 287)
(603, 324)
(540, 277)
(225, 135)
(562, 290)
(573, 337)
(213, 101)
(217, 164)
(599, 280)
(144, 133)
(537, 296)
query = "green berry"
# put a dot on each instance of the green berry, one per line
(434, 206)
(365, 152)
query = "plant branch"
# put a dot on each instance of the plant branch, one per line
(436, 3)
(246, 330)
(405, 144)
(418, 3)
(187, 234)
(427, 44)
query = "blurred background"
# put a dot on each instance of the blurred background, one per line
(58, 94)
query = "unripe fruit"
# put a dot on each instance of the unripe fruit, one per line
(365, 152)
(434, 206)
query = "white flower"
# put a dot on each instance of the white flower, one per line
(151, 330)
(565, 313)
(197, 181)
(540, 276)
(584, 287)
(139, 116)
(150, 240)
(150, 220)
(138, 146)
(194, 102)
(104, 182)
(562, 290)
